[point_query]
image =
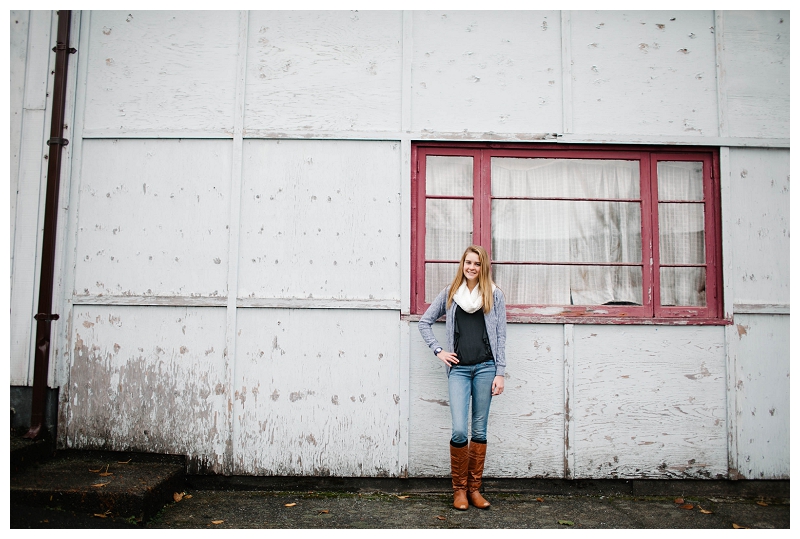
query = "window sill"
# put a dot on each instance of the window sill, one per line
(604, 320)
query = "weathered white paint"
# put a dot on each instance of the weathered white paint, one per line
(29, 199)
(320, 220)
(526, 423)
(762, 396)
(161, 70)
(148, 379)
(315, 397)
(19, 54)
(656, 66)
(487, 71)
(335, 70)
(759, 221)
(153, 218)
(650, 402)
(570, 432)
(757, 72)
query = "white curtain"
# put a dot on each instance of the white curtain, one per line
(567, 231)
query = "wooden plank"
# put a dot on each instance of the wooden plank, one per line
(762, 400)
(328, 70)
(570, 430)
(317, 393)
(153, 218)
(162, 70)
(325, 216)
(650, 402)
(526, 424)
(656, 66)
(761, 308)
(722, 78)
(31, 181)
(487, 71)
(149, 379)
(757, 72)
(759, 221)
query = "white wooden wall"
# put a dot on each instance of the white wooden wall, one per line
(234, 277)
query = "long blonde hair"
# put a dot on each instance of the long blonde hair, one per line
(484, 278)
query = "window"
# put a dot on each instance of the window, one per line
(599, 234)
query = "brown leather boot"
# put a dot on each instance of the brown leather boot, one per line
(459, 461)
(477, 456)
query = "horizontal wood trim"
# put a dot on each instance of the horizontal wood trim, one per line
(276, 303)
(761, 308)
(599, 320)
(446, 136)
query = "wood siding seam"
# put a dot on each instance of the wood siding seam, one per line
(566, 72)
(569, 403)
(232, 427)
(404, 406)
(722, 91)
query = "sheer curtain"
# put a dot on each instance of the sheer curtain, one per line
(553, 231)
(681, 232)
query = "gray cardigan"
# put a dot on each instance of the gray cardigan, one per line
(495, 327)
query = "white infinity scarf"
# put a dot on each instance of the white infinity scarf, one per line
(469, 301)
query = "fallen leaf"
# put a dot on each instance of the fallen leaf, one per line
(217, 521)
(403, 497)
(678, 500)
(440, 517)
(102, 515)
(97, 470)
(106, 474)
(762, 504)
(289, 504)
(737, 527)
(187, 497)
(539, 499)
(705, 511)
(323, 512)
(687, 506)
(177, 496)
(98, 485)
(566, 522)
(124, 461)
(45, 520)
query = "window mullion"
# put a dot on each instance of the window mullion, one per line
(649, 195)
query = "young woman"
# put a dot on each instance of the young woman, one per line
(475, 361)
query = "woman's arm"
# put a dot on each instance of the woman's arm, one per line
(437, 309)
(500, 353)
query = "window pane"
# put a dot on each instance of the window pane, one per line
(564, 178)
(680, 180)
(570, 285)
(566, 231)
(450, 176)
(437, 276)
(448, 228)
(683, 286)
(681, 234)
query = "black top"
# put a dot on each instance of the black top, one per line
(471, 340)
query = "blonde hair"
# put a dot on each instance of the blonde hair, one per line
(484, 278)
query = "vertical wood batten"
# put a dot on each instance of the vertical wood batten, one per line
(566, 71)
(569, 386)
(404, 408)
(722, 91)
(727, 295)
(18, 48)
(232, 426)
(62, 287)
(83, 20)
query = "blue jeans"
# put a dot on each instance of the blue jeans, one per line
(470, 381)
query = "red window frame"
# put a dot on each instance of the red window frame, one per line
(651, 311)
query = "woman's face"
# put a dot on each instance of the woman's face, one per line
(472, 266)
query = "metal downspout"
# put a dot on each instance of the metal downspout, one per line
(44, 316)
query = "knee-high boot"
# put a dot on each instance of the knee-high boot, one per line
(459, 462)
(477, 457)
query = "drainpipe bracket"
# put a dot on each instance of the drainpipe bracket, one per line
(58, 140)
(63, 47)
(45, 317)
